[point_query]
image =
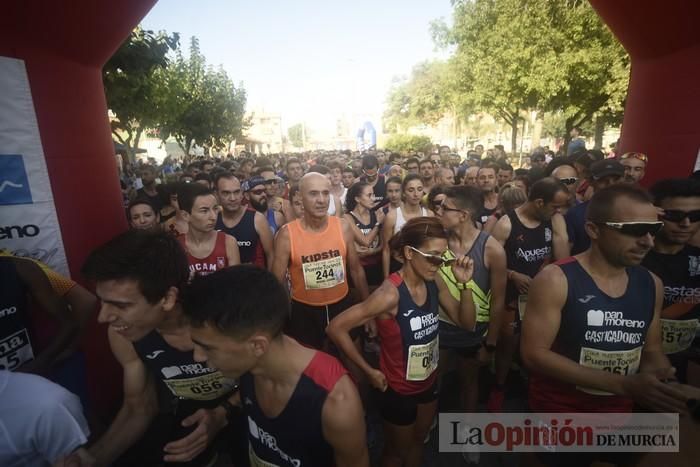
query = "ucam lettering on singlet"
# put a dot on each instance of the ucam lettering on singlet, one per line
(320, 256)
(534, 255)
(270, 441)
(600, 318)
(244, 243)
(682, 294)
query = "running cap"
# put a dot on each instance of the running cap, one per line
(600, 169)
(252, 182)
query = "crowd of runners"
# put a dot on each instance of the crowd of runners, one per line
(262, 308)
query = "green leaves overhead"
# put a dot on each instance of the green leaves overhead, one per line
(509, 56)
(201, 103)
(150, 84)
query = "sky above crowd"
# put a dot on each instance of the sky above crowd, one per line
(308, 60)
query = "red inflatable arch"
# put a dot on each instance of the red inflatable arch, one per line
(662, 114)
(64, 45)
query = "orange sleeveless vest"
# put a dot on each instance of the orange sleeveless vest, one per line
(317, 263)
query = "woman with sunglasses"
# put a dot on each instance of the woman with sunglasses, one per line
(405, 308)
(411, 196)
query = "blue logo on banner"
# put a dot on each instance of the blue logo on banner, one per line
(14, 184)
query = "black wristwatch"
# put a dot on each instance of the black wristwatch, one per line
(489, 347)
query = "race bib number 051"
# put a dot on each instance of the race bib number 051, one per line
(324, 274)
(621, 362)
(678, 334)
(15, 350)
(422, 361)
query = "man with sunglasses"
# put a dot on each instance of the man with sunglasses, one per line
(248, 227)
(635, 164)
(592, 333)
(567, 175)
(677, 263)
(277, 207)
(471, 348)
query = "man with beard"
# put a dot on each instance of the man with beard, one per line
(677, 263)
(427, 174)
(149, 190)
(635, 164)
(248, 227)
(318, 250)
(592, 336)
(487, 182)
(371, 176)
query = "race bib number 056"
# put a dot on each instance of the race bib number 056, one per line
(15, 350)
(422, 361)
(324, 274)
(203, 388)
(621, 362)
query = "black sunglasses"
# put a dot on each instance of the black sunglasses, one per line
(271, 181)
(568, 180)
(674, 215)
(635, 229)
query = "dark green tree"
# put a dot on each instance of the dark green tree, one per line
(131, 85)
(201, 105)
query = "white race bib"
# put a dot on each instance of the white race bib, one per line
(620, 362)
(202, 388)
(422, 360)
(678, 334)
(323, 274)
(15, 350)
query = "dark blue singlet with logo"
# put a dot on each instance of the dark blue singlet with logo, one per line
(600, 332)
(183, 386)
(247, 237)
(15, 343)
(295, 436)
(409, 341)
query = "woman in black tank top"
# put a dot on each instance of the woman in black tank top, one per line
(366, 226)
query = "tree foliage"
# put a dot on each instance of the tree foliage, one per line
(408, 143)
(510, 56)
(131, 86)
(422, 98)
(296, 135)
(201, 104)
